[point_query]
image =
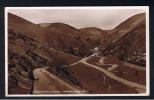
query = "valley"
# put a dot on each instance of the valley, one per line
(56, 58)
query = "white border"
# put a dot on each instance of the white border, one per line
(76, 95)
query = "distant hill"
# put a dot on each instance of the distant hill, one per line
(61, 27)
(93, 36)
(87, 38)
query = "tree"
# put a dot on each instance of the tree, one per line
(71, 50)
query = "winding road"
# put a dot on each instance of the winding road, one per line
(46, 79)
(138, 87)
(45, 82)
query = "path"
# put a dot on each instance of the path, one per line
(45, 82)
(138, 87)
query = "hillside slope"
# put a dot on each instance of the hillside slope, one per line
(128, 39)
(56, 39)
(93, 36)
(28, 50)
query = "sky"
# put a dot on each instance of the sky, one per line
(79, 18)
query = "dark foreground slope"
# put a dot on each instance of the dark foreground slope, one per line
(27, 50)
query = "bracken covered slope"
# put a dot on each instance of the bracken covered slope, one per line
(128, 40)
(28, 50)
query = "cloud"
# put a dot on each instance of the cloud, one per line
(79, 18)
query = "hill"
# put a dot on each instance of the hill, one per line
(128, 39)
(93, 36)
(29, 49)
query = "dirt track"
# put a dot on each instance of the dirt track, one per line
(139, 87)
(46, 79)
(46, 82)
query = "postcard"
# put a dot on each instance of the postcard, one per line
(77, 51)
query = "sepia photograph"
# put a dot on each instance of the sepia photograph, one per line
(77, 51)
